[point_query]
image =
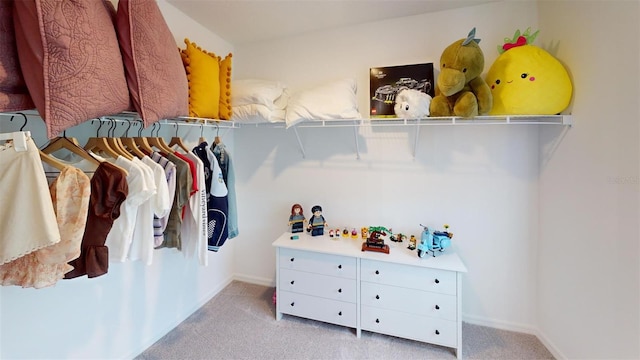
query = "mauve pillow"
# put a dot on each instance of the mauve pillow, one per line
(70, 60)
(14, 94)
(157, 80)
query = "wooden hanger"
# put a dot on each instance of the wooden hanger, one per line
(176, 140)
(52, 161)
(217, 140)
(115, 142)
(130, 145)
(158, 142)
(202, 138)
(64, 143)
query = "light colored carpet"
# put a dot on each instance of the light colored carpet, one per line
(239, 323)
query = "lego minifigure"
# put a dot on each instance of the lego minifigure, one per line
(316, 222)
(296, 219)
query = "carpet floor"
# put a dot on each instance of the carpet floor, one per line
(239, 323)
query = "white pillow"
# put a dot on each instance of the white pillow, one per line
(336, 100)
(256, 113)
(257, 91)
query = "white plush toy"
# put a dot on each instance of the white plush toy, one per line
(412, 104)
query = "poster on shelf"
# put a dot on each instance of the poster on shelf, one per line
(386, 82)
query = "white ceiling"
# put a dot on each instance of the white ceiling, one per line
(245, 21)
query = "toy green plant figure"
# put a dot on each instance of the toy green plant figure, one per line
(316, 222)
(296, 219)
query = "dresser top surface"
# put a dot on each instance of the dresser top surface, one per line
(398, 252)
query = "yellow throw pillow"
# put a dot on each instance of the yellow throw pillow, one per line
(203, 74)
(225, 88)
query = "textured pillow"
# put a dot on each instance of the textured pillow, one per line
(14, 95)
(332, 101)
(258, 91)
(155, 75)
(70, 61)
(225, 88)
(203, 75)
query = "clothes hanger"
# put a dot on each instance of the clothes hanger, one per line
(23, 138)
(176, 140)
(217, 140)
(141, 141)
(130, 144)
(158, 142)
(100, 144)
(202, 138)
(116, 142)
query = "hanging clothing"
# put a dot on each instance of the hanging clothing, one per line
(120, 236)
(108, 190)
(70, 193)
(194, 225)
(27, 217)
(184, 185)
(217, 199)
(160, 222)
(157, 206)
(224, 160)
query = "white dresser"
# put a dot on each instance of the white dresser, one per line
(332, 280)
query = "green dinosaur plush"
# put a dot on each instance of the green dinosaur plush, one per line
(460, 91)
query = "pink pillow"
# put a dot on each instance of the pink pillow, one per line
(70, 60)
(155, 74)
(14, 95)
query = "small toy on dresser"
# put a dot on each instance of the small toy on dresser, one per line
(316, 222)
(375, 242)
(296, 219)
(434, 242)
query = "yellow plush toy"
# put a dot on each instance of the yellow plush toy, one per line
(527, 80)
(460, 91)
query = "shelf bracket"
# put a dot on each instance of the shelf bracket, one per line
(355, 135)
(415, 142)
(295, 130)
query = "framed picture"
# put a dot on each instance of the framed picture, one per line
(386, 82)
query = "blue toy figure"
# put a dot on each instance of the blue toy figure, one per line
(296, 219)
(316, 222)
(434, 242)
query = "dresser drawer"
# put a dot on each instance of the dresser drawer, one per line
(324, 264)
(410, 326)
(418, 302)
(331, 311)
(325, 286)
(412, 277)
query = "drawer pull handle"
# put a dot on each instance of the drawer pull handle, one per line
(377, 321)
(437, 332)
(293, 303)
(437, 307)
(437, 281)
(339, 266)
(292, 259)
(377, 297)
(340, 313)
(292, 282)
(377, 272)
(339, 290)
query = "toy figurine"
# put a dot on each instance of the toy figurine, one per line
(434, 242)
(331, 232)
(296, 219)
(345, 233)
(316, 222)
(412, 242)
(364, 232)
(354, 233)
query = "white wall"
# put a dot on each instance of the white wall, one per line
(483, 181)
(120, 314)
(589, 274)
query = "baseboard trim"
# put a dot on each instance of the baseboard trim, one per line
(166, 329)
(498, 324)
(550, 346)
(255, 280)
